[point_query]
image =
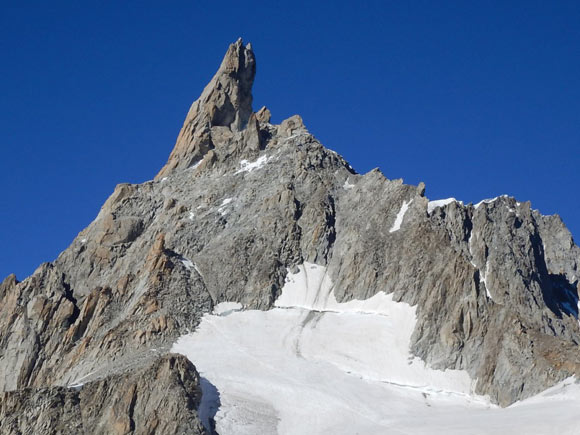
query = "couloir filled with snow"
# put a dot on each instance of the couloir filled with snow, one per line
(314, 365)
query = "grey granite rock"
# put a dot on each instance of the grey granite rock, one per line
(225, 102)
(121, 404)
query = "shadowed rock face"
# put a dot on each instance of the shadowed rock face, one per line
(239, 203)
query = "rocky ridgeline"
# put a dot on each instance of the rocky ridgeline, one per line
(239, 203)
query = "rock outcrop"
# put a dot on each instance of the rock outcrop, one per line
(224, 107)
(239, 203)
(160, 398)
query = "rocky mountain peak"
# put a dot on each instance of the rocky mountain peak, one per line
(476, 302)
(225, 102)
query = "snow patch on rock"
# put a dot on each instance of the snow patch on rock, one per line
(483, 279)
(489, 201)
(432, 205)
(187, 263)
(222, 208)
(246, 166)
(399, 219)
(347, 185)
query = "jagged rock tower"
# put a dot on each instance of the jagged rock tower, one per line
(225, 102)
(84, 341)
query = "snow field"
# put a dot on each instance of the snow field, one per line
(314, 365)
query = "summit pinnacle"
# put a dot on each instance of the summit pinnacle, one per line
(225, 102)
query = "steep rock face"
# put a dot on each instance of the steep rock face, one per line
(34, 318)
(486, 301)
(224, 107)
(239, 203)
(160, 398)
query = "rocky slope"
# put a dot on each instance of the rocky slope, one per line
(145, 400)
(239, 203)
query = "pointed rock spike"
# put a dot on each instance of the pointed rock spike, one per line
(225, 102)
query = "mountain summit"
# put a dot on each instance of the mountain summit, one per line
(225, 102)
(260, 285)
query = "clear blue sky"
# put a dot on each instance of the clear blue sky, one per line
(476, 99)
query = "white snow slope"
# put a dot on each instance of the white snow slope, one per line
(315, 366)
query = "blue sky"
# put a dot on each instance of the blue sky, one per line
(476, 100)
